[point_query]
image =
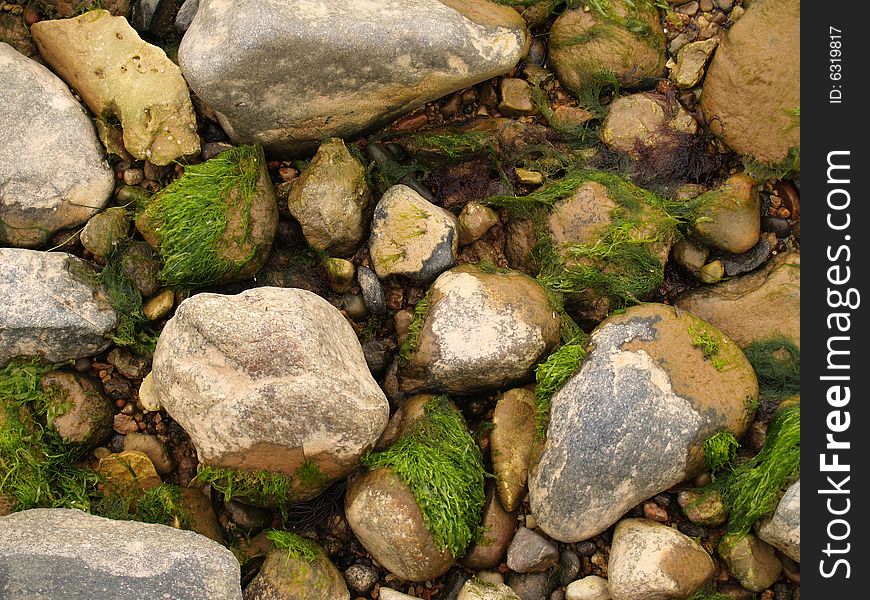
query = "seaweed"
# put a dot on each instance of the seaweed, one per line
(552, 374)
(720, 450)
(777, 364)
(788, 168)
(261, 486)
(709, 344)
(161, 504)
(296, 547)
(412, 340)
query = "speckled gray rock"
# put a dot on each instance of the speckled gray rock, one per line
(477, 589)
(222, 360)
(53, 172)
(530, 586)
(651, 561)
(49, 310)
(632, 421)
(588, 588)
(185, 14)
(60, 554)
(372, 291)
(412, 237)
(481, 331)
(356, 64)
(783, 529)
(530, 552)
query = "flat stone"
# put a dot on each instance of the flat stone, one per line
(52, 166)
(783, 529)
(511, 441)
(61, 554)
(50, 310)
(691, 62)
(356, 64)
(118, 74)
(530, 552)
(478, 589)
(737, 264)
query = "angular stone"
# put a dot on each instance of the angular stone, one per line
(649, 561)
(511, 442)
(530, 552)
(269, 379)
(412, 237)
(474, 221)
(645, 121)
(356, 64)
(632, 421)
(61, 554)
(691, 60)
(481, 331)
(52, 166)
(50, 309)
(783, 529)
(119, 75)
(284, 577)
(79, 412)
(128, 473)
(752, 562)
(730, 216)
(516, 98)
(477, 589)
(498, 527)
(754, 307)
(159, 306)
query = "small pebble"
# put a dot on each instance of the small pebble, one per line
(372, 291)
(706, 5)
(83, 365)
(134, 176)
(653, 511)
(712, 272)
(690, 8)
(586, 548)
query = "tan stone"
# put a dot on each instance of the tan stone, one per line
(78, 410)
(511, 441)
(474, 221)
(498, 527)
(644, 120)
(291, 578)
(159, 306)
(730, 217)
(691, 60)
(128, 473)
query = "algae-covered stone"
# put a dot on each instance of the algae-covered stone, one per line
(356, 65)
(704, 507)
(751, 98)
(77, 409)
(645, 121)
(128, 473)
(631, 423)
(329, 200)
(511, 442)
(52, 167)
(119, 75)
(215, 223)
(412, 237)
(615, 42)
(752, 562)
(297, 575)
(730, 215)
(141, 264)
(482, 330)
(105, 231)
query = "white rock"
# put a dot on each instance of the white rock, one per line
(783, 529)
(592, 587)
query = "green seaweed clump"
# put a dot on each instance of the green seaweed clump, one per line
(720, 450)
(134, 331)
(709, 344)
(412, 340)
(162, 504)
(552, 375)
(309, 475)
(777, 364)
(264, 487)
(443, 467)
(708, 592)
(296, 547)
(189, 217)
(788, 168)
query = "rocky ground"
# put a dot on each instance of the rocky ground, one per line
(432, 299)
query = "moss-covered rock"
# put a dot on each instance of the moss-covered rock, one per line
(751, 561)
(296, 569)
(77, 410)
(128, 474)
(104, 232)
(730, 216)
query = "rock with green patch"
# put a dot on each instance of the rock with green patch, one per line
(750, 561)
(482, 330)
(216, 223)
(412, 237)
(103, 232)
(122, 77)
(272, 386)
(77, 409)
(141, 264)
(782, 530)
(230, 50)
(632, 419)
(418, 507)
(754, 307)
(703, 507)
(291, 574)
(153, 448)
(616, 42)
(477, 589)
(51, 308)
(61, 553)
(497, 526)
(52, 166)
(341, 274)
(329, 199)
(649, 561)
(730, 216)
(691, 61)
(128, 474)
(645, 122)
(751, 98)
(511, 442)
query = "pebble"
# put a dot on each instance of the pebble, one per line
(712, 272)
(372, 291)
(340, 273)
(360, 578)
(588, 588)
(706, 5)
(153, 448)
(516, 98)
(159, 306)
(531, 552)
(83, 365)
(569, 566)
(248, 517)
(354, 306)
(529, 586)
(736, 264)
(776, 225)
(690, 8)
(653, 511)
(134, 176)
(586, 548)
(724, 5)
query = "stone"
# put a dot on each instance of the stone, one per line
(360, 578)
(329, 200)
(689, 255)
(750, 561)
(128, 473)
(482, 331)
(530, 552)
(712, 272)
(477, 589)
(527, 177)
(412, 237)
(128, 365)
(754, 307)
(270, 379)
(52, 166)
(120, 75)
(530, 586)
(67, 554)
(159, 306)
(148, 395)
(631, 422)
(354, 306)
(236, 56)
(391, 594)
(475, 220)
(703, 507)
(750, 94)
(197, 506)
(498, 527)
(588, 588)
(77, 409)
(569, 565)
(246, 516)
(691, 61)
(516, 98)
(649, 561)
(643, 122)
(737, 264)
(104, 231)
(730, 216)
(141, 265)
(186, 14)
(511, 441)
(372, 291)
(153, 448)
(285, 577)
(385, 518)
(586, 44)
(50, 308)
(783, 529)
(341, 274)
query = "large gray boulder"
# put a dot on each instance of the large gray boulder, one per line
(53, 172)
(50, 308)
(631, 423)
(271, 379)
(61, 554)
(355, 64)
